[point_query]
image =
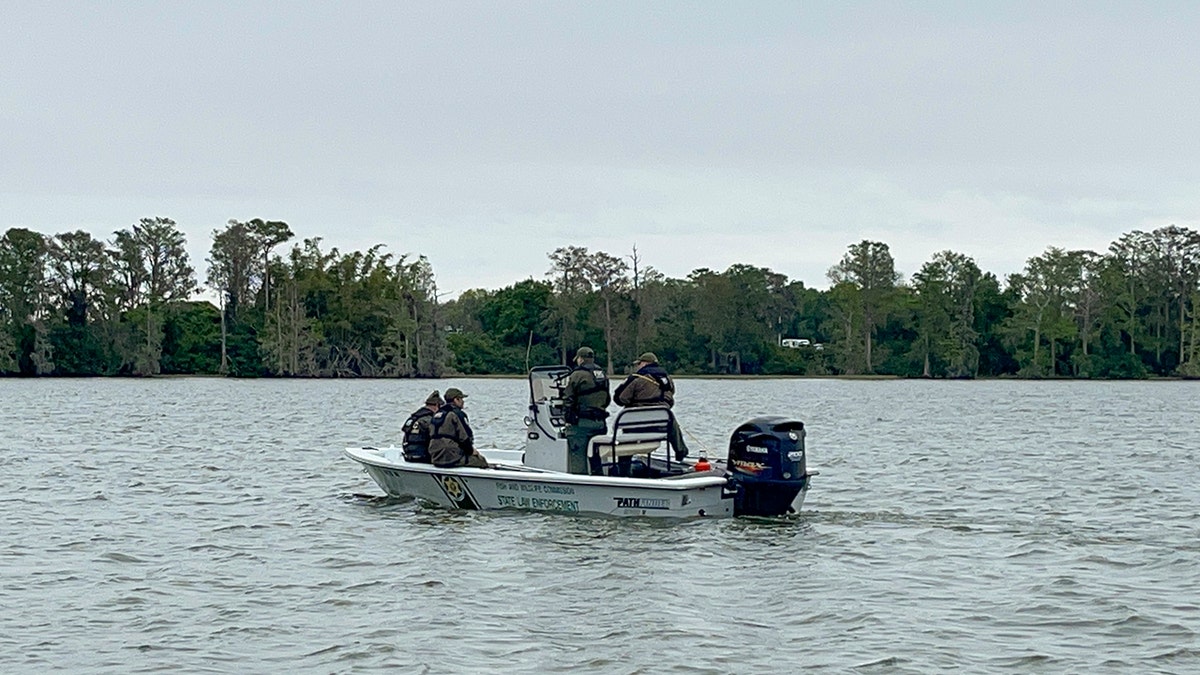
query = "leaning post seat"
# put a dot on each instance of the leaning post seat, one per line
(635, 431)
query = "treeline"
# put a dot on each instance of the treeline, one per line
(74, 305)
(1129, 312)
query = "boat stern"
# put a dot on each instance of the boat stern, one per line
(767, 466)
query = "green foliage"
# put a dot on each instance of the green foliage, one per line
(74, 305)
(992, 308)
(192, 340)
(674, 338)
(483, 354)
(8, 351)
(1117, 365)
(945, 296)
(801, 361)
(514, 313)
(242, 352)
(23, 287)
(79, 351)
(737, 313)
(867, 278)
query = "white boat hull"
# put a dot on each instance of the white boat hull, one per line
(511, 485)
(764, 473)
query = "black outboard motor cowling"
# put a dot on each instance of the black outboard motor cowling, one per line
(767, 465)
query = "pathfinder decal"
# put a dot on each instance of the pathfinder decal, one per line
(642, 503)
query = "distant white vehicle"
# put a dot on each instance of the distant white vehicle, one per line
(795, 343)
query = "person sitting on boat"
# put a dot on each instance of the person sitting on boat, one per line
(585, 402)
(451, 441)
(416, 429)
(650, 384)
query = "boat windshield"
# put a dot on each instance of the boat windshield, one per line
(545, 383)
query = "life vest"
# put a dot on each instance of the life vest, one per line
(439, 420)
(416, 436)
(585, 403)
(655, 375)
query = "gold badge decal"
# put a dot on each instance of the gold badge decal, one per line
(454, 489)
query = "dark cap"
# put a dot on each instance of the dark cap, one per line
(648, 357)
(585, 352)
(453, 393)
(435, 398)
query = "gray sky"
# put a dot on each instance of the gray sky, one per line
(485, 135)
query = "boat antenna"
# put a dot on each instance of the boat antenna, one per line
(691, 436)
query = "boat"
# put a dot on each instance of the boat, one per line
(764, 474)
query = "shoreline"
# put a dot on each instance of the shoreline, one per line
(712, 376)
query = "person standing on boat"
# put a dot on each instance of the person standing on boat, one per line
(416, 429)
(451, 441)
(651, 385)
(585, 403)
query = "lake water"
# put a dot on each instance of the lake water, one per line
(207, 525)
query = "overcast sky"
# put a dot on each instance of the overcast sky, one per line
(485, 135)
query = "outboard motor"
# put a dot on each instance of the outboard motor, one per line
(767, 465)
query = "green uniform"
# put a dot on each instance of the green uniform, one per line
(585, 402)
(651, 385)
(452, 443)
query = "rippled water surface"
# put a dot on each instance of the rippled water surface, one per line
(205, 525)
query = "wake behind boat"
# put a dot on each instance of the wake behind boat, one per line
(764, 474)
